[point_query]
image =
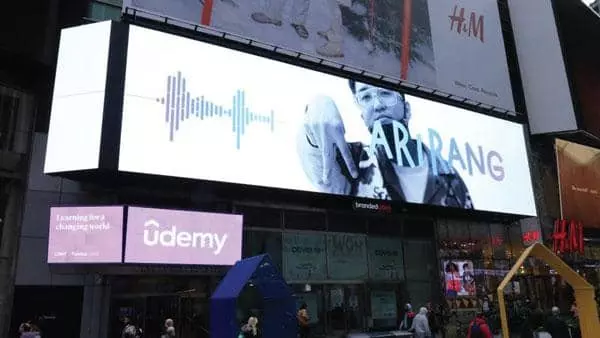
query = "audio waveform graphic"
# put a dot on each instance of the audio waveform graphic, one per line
(181, 105)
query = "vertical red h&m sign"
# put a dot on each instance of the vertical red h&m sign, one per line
(568, 236)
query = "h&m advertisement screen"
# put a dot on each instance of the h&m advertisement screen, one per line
(455, 46)
(199, 111)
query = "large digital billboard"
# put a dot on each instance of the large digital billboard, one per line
(542, 67)
(199, 111)
(85, 235)
(559, 55)
(80, 81)
(160, 236)
(455, 46)
(579, 182)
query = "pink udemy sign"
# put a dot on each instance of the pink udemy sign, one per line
(85, 235)
(160, 236)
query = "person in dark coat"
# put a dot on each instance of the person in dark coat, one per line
(408, 318)
(432, 318)
(555, 326)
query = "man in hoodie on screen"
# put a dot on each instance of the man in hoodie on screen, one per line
(395, 166)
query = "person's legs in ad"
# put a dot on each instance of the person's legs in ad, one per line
(333, 46)
(271, 13)
(299, 15)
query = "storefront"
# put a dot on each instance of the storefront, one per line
(360, 280)
(150, 299)
(577, 238)
(144, 264)
(592, 262)
(354, 272)
(357, 230)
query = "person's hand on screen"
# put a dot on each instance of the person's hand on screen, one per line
(324, 133)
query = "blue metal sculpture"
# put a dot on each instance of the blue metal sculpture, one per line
(279, 319)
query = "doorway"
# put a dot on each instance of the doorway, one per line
(56, 310)
(149, 312)
(345, 308)
(149, 301)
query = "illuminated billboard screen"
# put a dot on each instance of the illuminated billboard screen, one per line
(159, 236)
(80, 81)
(198, 111)
(459, 277)
(85, 235)
(453, 46)
(579, 182)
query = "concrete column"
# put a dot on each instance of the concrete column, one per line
(8, 250)
(51, 39)
(96, 306)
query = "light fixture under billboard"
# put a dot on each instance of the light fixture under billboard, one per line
(452, 46)
(215, 114)
(159, 236)
(85, 235)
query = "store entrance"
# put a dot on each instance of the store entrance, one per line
(156, 299)
(346, 305)
(150, 312)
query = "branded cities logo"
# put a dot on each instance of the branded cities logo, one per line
(181, 105)
(172, 238)
(381, 207)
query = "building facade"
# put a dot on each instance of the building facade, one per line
(564, 149)
(371, 262)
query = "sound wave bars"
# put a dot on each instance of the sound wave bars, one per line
(181, 105)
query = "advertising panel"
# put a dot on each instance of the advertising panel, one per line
(347, 256)
(579, 182)
(383, 305)
(386, 262)
(80, 82)
(85, 235)
(304, 257)
(459, 278)
(580, 32)
(542, 67)
(455, 46)
(159, 236)
(215, 114)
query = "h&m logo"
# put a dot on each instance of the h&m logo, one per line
(568, 237)
(471, 25)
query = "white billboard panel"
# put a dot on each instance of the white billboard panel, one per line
(199, 111)
(78, 99)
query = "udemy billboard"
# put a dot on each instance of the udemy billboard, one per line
(160, 236)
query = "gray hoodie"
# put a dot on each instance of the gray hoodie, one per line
(420, 325)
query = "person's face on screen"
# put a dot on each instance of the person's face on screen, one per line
(380, 104)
